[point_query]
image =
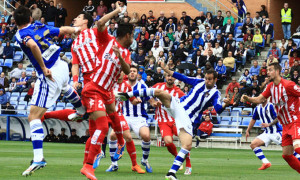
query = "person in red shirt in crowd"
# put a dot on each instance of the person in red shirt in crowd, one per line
(204, 130)
(101, 9)
(294, 58)
(284, 94)
(232, 85)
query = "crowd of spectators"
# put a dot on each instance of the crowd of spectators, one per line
(63, 138)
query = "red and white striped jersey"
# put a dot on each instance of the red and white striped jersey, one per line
(85, 49)
(122, 87)
(285, 97)
(108, 72)
(161, 115)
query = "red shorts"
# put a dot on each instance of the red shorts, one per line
(123, 122)
(94, 97)
(290, 132)
(167, 129)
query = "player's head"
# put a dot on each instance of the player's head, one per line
(169, 79)
(22, 16)
(125, 33)
(133, 73)
(84, 19)
(274, 70)
(210, 78)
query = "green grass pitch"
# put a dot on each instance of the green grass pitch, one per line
(65, 161)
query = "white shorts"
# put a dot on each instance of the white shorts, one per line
(182, 120)
(46, 92)
(268, 138)
(136, 123)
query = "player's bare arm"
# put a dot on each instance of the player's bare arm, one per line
(264, 125)
(101, 23)
(154, 103)
(165, 68)
(68, 30)
(38, 56)
(256, 100)
(136, 101)
(75, 73)
(124, 66)
(250, 126)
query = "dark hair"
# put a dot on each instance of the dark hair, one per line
(22, 15)
(211, 71)
(137, 69)
(220, 11)
(263, 7)
(276, 66)
(124, 29)
(88, 17)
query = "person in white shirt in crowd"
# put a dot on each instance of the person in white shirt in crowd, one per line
(257, 19)
(1, 48)
(218, 51)
(178, 35)
(156, 49)
(201, 26)
(17, 72)
(207, 32)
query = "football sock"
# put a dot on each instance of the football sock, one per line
(179, 160)
(86, 150)
(131, 151)
(112, 149)
(116, 125)
(146, 150)
(188, 160)
(172, 149)
(37, 137)
(292, 161)
(60, 114)
(259, 153)
(145, 92)
(75, 100)
(297, 155)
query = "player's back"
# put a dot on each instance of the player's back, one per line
(42, 35)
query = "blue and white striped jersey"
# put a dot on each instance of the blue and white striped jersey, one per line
(136, 110)
(42, 35)
(199, 98)
(267, 114)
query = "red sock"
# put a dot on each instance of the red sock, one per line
(97, 138)
(116, 125)
(92, 128)
(131, 151)
(60, 114)
(292, 161)
(188, 161)
(297, 150)
(172, 149)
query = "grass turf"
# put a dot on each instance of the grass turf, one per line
(65, 161)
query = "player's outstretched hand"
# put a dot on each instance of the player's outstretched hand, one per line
(116, 51)
(244, 98)
(162, 64)
(136, 101)
(118, 6)
(75, 85)
(264, 125)
(227, 101)
(47, 73)
(156, 104)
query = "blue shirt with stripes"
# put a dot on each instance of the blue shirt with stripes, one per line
(199, 98)
(136, 110)
(42, 35)
(267, 115)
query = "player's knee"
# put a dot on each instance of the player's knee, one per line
(168, 140)
(187, 146)
(253, 145)
(146, 137)
(128, 138)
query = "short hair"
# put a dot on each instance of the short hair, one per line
(220, 11)
(183, 12)
(276, 66)
(88, 17)
(137, 69)
(211, 71)
(22, 15)
(124, 29)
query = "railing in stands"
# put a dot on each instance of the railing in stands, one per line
(223, 5)
(5, 3)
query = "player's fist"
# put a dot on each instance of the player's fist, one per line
(47, 73)
(118, 6)
(156, 104)
(244, 98)
(116, 51)
(75, 85)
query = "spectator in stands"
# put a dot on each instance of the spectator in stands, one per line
(17, 72)
(167, 44)
(204, 130)
(62, 137)
(151, 17)
(250, 47)
(10, 35)
(21, 83)
(201, 17)
(8, 51)
(218, 21)
(257, 19)
(245, 37)
(12, 85)
(51, 12)
(235, 98)
(240, 54)
(229, 63)
(197, 59)
(112, 8)
(3, 97)
(171, 65)
(156, 49)
(296, 67)
(254, 70)
(142, 73)
(286, 15)
(219, 40)
(3, 32)
(186, 19)
(206, 33)
(228, 28)
(263, 11)
(218, 51)
(51, 136)
(134, 20)
(209, 20)
(271, 59)
(186, 90)
(90, 8)
(158, 76)
(282, 46)
(85, 137)
(36, 13)
(293, 58)
(101, 9)
(29, 94)
(66, 43)
(74, 138)
(8, 109)
(61, 15)
(267, 31)
(295, 76)
(201, 27)
(123, 9)
(5, 15)
(180, 53)
(172, 16)
(258, 39)
(231, 86)
(286, 75)
(246, 78)
(112, 30)
(289, 46)
(228, 16)
(171, 25)
(43, 20)
(210, 57)
(221, 71)
(178, 34)
(275, 51)
(149, 82)
(247, 26)
(4, 81)
(140, 58)
(208, 67)
(163, 18)
(3, 22)
(198, 41)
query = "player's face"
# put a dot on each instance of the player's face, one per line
(210, 81)
(170, 80)
(79, 20)
(271, 73)
(133, 74)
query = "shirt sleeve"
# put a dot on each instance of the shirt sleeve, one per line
(144, 86)
(54, 31)
(185, 79)
(103, 37)
(272, 112)
(217, 102)
(255, 115)
(267, 91)
(293, 89)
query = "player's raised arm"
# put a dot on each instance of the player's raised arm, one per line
(68, 30)
(101, 23)
(256, 100)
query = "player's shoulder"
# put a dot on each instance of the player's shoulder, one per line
(158, 85)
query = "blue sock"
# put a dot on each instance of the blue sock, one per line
(72, 96)
(37, 137)
(259, 153)
(178, 160)
(112, 149)
(297, 155)
(146, 150)
(145, 92)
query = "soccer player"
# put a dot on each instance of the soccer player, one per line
(53, 77)
(123, 86)
(166, 123)
(97, 95)
(285, 97)
(185, 110)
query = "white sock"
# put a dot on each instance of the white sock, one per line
(37, 137)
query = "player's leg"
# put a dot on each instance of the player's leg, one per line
(60, 114)
(144, 133)
(92, 129)
(167, 135)
(112, 149)
(255, 146)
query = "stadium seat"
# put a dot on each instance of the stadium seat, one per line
(52, 108)
(68, 55)
(15, 94)
(51, 24)
(21, 109)
(224, 124)
(248, 109)
(14, 103)
(17, 58)
(236, 119)
(239, 39)
(234, 124)
(16, 137)
(1, 69)
(59, 108)
(22, 102)
(60, 104)
(246, 121)
(8, 63)
(225, 113)
(1, 62)
(234, 68)
(14, 98)
(235, 113)
(237, 109)
(238, 25)
(68, 107)
(257, 123)
(226, 118)
(23, 94)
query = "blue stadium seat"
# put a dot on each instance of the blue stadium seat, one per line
(50, 23)
(1, 69)
(234, 68)
(219, 31)
(8, 63)
(14, 103)
(14, 98)
(68, 55)
(237, 109)
(52, 108)
(22, 102)
(69, 107)
(15, 94)
(59, 108)
(248, 109)
(1, 62)
(236, 119)
(23, 94)
(234, 124)
(235, 113)
(246, 121)
(238, 25)
(60, 104)
(262, 45)
(225, 113)
(21, 109)
(8, 94)
(224, 123)
(285, 57)
(257, 123)
(239, 39)
(17, 58)
(226, 118)
(16, 137)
